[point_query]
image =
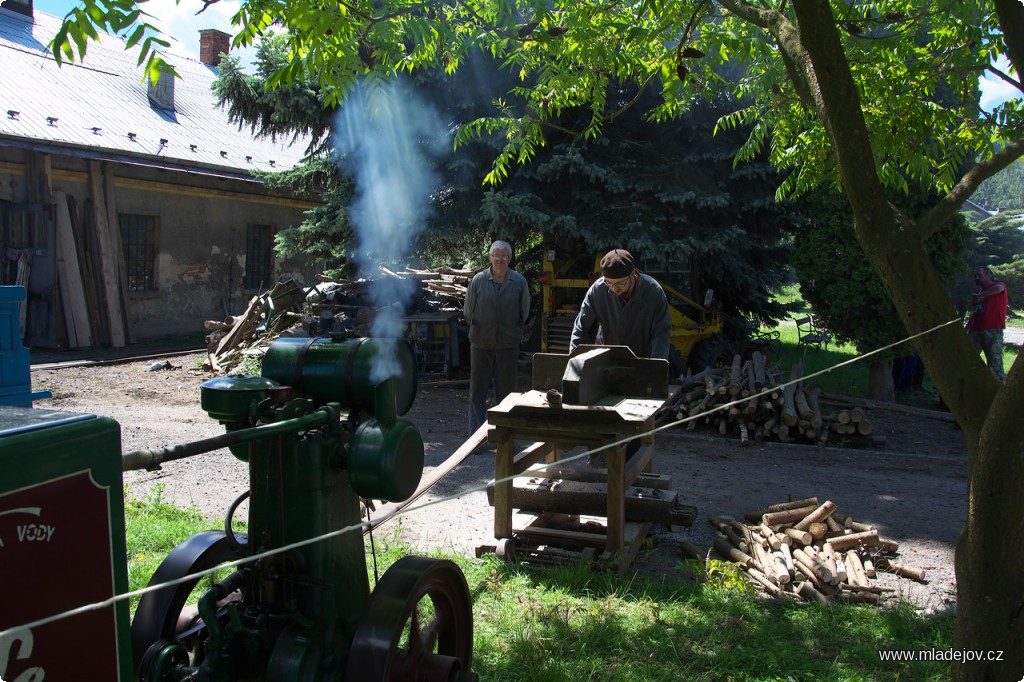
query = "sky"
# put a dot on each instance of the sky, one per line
(178, 21)
(181, 22)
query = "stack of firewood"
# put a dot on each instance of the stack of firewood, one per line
(810, 551)
(447, 284)
(343, 306)
(748, 399)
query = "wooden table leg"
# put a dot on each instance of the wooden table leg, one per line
(648, 439)
(616, 497)
(504, 454)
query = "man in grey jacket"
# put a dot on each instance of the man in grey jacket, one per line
(624, 308)
(497, 305)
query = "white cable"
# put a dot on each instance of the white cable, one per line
(326, 536)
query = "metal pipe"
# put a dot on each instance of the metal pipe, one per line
(152, 458)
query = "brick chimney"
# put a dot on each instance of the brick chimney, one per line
(213, 43)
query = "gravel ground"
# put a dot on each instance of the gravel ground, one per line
(914, 490)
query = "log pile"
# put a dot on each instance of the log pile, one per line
(749, 400)
(809, 551)
(345, 306)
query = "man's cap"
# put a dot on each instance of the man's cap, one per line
(617, 263)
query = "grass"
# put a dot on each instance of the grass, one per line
(154, 527)
(852, 379)
(580, 623)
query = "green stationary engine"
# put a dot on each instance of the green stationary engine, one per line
(319, 430)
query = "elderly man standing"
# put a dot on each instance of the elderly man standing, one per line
(497, 305)
(624, 308)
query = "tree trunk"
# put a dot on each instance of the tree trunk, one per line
(989, 560)
(880, 385)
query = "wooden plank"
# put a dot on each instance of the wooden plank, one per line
(504, 454)
(69, 275)
(107, 257)
(591, 499)
(639, 462)
(616, 513)
(596, 539)
(633, 536)
(629, 416)
(85, 266)
(530, 455)
(115, 242)
(244, 324)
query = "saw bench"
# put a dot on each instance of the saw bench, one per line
(599, 398)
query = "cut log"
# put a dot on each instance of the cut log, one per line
(793, 504)
(690, 551)
(911, 572)
(808, 592)
(836, 398)
(724, 528)
(764, 582)
(856, 569)
(844, 542)
(729, 552)
(803, 409)
(735, 376)
(789, 413)
(817, 530)
(817, 515)
(766, 561)
(757, 361)
(799, 537)
(786, 516)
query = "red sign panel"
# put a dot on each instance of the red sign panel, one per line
(55, 556)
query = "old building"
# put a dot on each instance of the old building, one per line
(128, 209)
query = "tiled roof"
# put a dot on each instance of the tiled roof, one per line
(100, 106)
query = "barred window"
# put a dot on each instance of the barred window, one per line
(259, 256)
(139, 239)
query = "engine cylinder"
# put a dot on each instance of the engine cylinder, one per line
(346, 371)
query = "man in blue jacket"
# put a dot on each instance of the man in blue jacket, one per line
(624, 308)
(497, 305)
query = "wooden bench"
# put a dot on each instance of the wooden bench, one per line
(810, 334)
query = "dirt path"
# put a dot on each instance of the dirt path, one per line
(914, 491)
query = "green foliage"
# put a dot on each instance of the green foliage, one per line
(566, 55)
(1004, 190)
(668, 193)
(154, 527)
(999, 239)
(726, 575)
(299, 110)
(997, 242)
(840, 284)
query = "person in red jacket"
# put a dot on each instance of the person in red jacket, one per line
(988, 320)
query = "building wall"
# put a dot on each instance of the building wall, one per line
(201, 242)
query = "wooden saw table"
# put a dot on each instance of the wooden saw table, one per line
(617, 425)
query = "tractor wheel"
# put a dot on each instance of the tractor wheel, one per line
(714, 351)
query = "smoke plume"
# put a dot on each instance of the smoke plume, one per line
(388, 139)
